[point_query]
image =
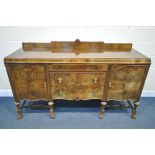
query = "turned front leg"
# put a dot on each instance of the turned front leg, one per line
(52, 114)
(134, 109)
(19, 110)
(102, 109)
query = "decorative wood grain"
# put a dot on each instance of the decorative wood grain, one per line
(63, 79)
(76, 46)
(77, 85)
(110, 57)
(28, 81)
(77, 70)
(36, 46)
(78, 67)
(125, 81)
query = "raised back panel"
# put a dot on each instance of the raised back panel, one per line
(29, 46)
(77, 46)
(126, 47)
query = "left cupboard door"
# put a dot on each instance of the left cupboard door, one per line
(28, 81)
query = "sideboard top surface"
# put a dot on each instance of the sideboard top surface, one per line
(103, 55)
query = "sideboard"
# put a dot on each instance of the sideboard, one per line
(77, 70)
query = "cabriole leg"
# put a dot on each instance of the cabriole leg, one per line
(19, 110)
(102, 109)
(134, 109)
(52, 114)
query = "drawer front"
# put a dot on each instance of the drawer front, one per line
(63, 79)
(91, 79)
(90, 92)
(83, 79)
(63, 92)
(77, 85)
(78, 67)
(77, 92)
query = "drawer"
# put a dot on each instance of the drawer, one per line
(77, 78)
(91, 79)
(77, 92)
(63, 92)
(86, 92)
(63, 79)
(78, 67)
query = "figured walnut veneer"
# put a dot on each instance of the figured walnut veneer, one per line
(77, 71)
(77, 46)
(125, 81)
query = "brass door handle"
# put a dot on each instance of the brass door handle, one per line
(59, 80)
(109, 84)
(45, 85)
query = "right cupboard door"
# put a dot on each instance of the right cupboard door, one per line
(126, 81)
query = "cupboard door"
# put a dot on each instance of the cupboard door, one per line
(28, 81)
(126, 81)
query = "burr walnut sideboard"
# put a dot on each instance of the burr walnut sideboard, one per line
(77, 70)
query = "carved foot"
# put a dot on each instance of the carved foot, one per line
(19, 110)
(134, 109)
(52, 114)
(102, 110)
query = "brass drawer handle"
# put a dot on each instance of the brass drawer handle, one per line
(94, 93)
(95, 80)
(60, 93)
(59, 80)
